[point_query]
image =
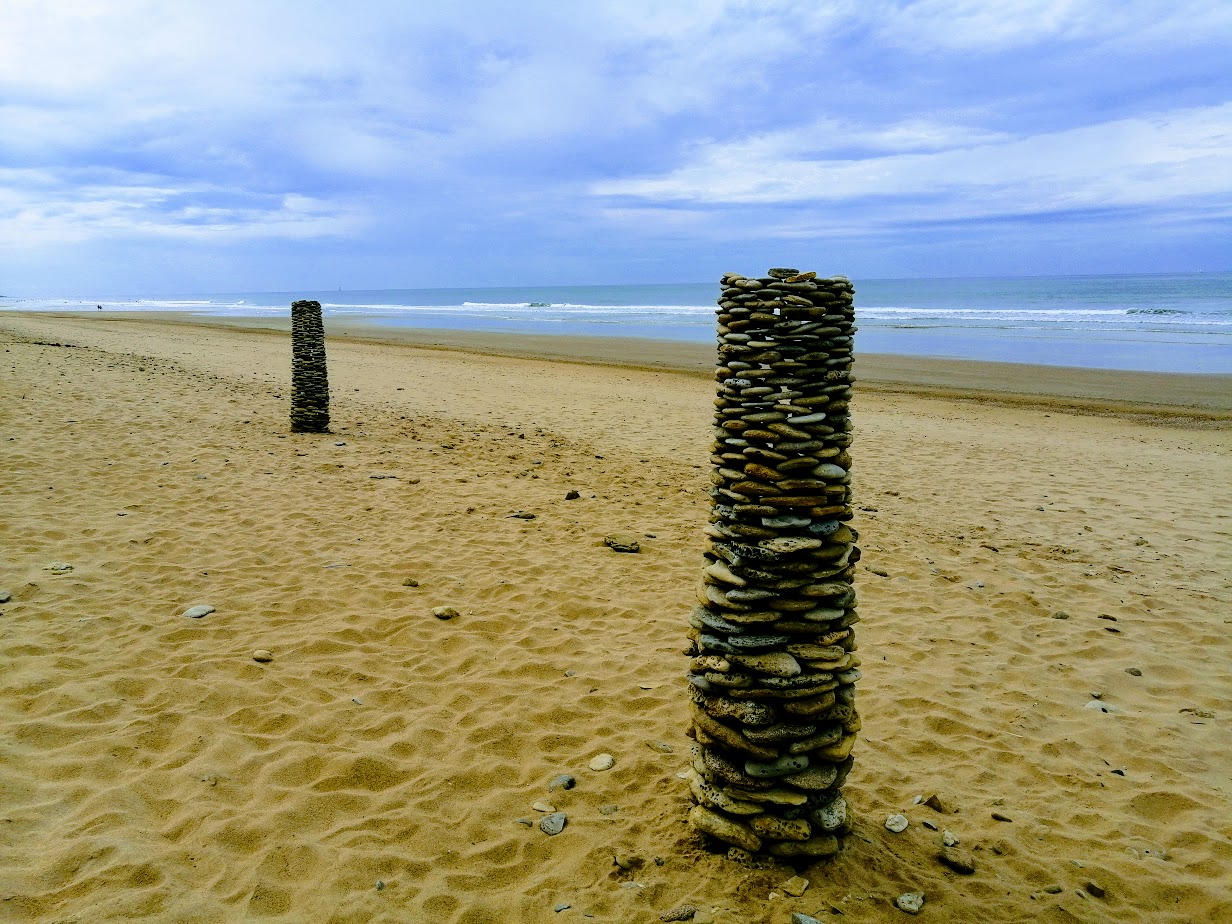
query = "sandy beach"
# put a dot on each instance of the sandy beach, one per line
(1046, 634)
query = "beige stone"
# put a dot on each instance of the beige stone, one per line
(726, 830)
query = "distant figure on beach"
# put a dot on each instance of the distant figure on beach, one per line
(100, 307)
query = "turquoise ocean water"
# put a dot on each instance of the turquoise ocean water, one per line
(1159, 323)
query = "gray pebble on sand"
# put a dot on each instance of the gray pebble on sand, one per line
(563, 781)
(553, 824)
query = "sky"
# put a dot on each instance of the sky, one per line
(149, 147)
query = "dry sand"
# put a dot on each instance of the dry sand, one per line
(381, 767)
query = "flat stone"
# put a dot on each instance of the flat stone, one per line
(772, 796)
(720, 572)
(831, 817)
(726, 830)
(683, 912)
(795, 886)
(262, 655)
(59, 567)
(959, 861)
(897, 823)
(799, 917)
(5, 596)
(445, 612)
(1094, 888)
(910, 902)
(544, 807)
(622, 542)
(776, 663)
(553, 824)
(787, 544)
(196, 612)
(563, 781)
(819, 845)
(784, 766)
(713, 796)
(601, 762)
(781, 829)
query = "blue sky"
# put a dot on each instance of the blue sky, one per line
(248, 145)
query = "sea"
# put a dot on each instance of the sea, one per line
(1153, 323)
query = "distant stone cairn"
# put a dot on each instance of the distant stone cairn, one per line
(773, 667)
(309, 378)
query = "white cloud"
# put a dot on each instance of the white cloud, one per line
(997, 24)
(1127, 162)
(39, 208)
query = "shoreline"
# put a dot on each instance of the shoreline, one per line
(1197, 398)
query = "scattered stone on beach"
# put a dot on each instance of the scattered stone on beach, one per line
(520, 515)
(1060, 614)
(59, 567)
(937, 804)
(1100, 706)
(545, 807)
(1132, 671)
(196, 612)
(1094, 888)
(1000, 816)
(910, 902)
(609, 809)
(683, 912)
(309, 376)
(409, 582)
(573, 495)
(897, 823)
(561, 906)
(774, 663)
(1054, 889)
(445, 612)
(799, 917)
(263, 655)
(563, 781)
(949, 839)
(5, 596)
(795, 886)
(553, 824)
(622, 542)
(601, 762)
(661, 746)
(959, 861)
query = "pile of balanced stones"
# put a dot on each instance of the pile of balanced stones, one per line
(309, 379)
(773, 666)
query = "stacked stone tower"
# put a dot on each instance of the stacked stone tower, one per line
(309, 378)
(773, 665)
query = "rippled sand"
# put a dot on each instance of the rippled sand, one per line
(383, 765)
